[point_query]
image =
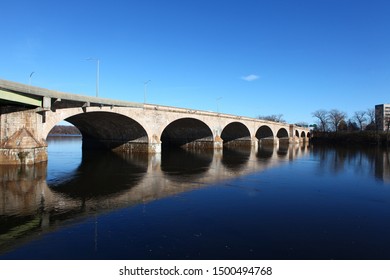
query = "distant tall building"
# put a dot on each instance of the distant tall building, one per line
(382, 116)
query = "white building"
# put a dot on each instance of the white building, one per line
(382, 116)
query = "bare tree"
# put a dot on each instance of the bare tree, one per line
(322, 116)
(360, 118)
(274, 118)
(302, 124)
(335, 117)
(371, 115)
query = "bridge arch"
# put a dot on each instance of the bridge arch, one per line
(265, 135)
(296, 133)
(237, 134)
(264, 131)
(187, 133)
(282, 133)
(303, 134)
(110, 131)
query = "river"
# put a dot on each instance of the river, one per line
(288, 202)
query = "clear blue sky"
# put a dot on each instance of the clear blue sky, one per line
(246, 57)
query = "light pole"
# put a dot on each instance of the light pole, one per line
(29, 81)
(145, 84)
(97, 73)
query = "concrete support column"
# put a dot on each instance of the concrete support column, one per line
(255, 143)
(22, 156)
(294, 140)
(154, 148)
(22, 148)
(21, 140)
(218, 143)
(154, 145)
(269, 141)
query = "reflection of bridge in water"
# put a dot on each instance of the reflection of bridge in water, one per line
(109, 181)
(31, 203)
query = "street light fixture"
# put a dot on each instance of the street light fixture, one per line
(145, 84)
(97, 73)
(29, 81)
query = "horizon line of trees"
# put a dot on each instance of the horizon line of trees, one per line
(336, 120)
(274, 118)
(64, 129)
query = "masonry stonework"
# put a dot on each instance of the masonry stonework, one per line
(126, 127)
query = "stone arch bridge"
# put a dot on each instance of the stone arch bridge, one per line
(27, 114)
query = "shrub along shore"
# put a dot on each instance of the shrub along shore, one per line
(64, 130)
(366, 138)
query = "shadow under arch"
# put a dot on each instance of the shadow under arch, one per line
(187, 133)
(102, 174)
(235, 159)
(186, 164)
(265, 153)
(282, 133)
(110, 131)
(264, 131)
(236, 134)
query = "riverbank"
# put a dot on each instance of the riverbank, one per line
(64, 130)
(358, 138)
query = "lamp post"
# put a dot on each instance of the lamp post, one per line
(29, 81)
(97, 73)
(145, 84)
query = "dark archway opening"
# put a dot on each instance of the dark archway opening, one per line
(110, 131)
(265, 136)
(236, 135)
(187, 133)
(283, 137)
(282, 133)
(264, 132)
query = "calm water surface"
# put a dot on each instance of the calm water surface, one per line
(292, 202)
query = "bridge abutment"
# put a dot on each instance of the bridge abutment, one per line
(20, 140)
(22, 156)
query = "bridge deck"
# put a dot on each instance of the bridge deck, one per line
(33, 92)
(34, 96)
